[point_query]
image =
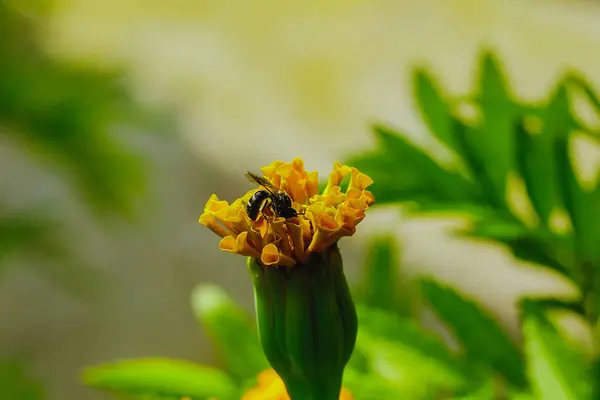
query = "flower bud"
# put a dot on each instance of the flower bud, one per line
(307, 323)
(289, 232)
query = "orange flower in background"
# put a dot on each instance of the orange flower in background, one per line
(271, 387)
(324, 218)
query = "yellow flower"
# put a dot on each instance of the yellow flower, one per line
(324, 218)
(271, 387)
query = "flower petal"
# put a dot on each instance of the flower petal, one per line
(326, 226)
(209, 220)
(282, 239)
(359, 180)
(216, 206)
(336, 176)
(296, 234)
(239, 245)
(271, 257)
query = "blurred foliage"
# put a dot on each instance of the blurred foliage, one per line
(395, 356)
(494, 140)
(65, 117)
(16, 384)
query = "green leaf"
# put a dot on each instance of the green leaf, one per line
(555, 370)
(582, 206)
(400, 352)
(533, 245)
(483, 340)
(372, 387)
(161, 377)
(404, 173)
(493, 142)
(15, 384)
(232, 331)
(432, 106)
(486, 391)
(381, 286)
(576, 80)
(521, 395)
(466, 138)
(553, 303)
(535, 154)
(595, 375)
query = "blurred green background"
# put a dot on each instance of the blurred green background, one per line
(119, 119)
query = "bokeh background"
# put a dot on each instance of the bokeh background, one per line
(170, 102)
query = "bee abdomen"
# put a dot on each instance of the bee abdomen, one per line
(256, 204)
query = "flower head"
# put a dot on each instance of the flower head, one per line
(271, 387)
(324, 218)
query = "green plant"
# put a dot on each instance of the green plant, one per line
(495, 140)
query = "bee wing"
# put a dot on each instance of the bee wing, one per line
(261, 181)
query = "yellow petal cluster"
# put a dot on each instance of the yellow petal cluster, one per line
(325, 217)
(271, 387)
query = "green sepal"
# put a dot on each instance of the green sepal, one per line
(307, 323)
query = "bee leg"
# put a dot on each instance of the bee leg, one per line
(265, 216)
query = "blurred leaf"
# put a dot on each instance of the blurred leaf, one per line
(36, 239)
(576, 80)
(518, 395)
(536, 155)
(595, 378)
(555, 371)
(494, 143)
(232, 331)
(21, 232)
(466, 138)
(163, 378)
(399, 351)
(533, 245)
(583, 210)
(15, 384)
(371, 387)
(63, 113)
(551, 303)
(381, 286)
(441, 208)
(483, 339)
(404, 173)
(487, 391)
(432, 106)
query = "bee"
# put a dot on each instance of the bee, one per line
(279, 201)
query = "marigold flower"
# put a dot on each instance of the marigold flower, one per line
(326, 217)
(271, 387)
(305, 314)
